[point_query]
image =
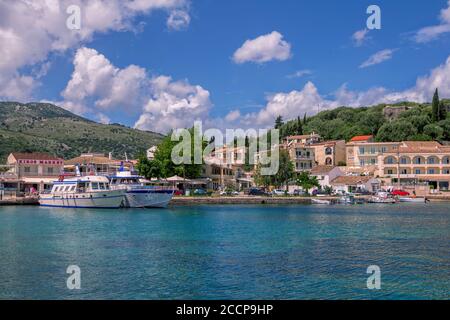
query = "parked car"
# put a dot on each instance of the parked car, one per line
(400, 193)
(339, 193)
(278, 192)
(363, 192)
(298, 192)
(179, 192)
(257, 192)
(200, 192)
(229, 193)
(319, 193)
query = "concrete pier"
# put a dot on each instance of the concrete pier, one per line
(18, 201)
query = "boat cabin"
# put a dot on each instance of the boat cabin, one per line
(86, 184)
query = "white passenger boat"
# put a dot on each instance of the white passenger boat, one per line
(139, 196)
(83, 192)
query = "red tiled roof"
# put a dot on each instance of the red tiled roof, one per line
(361, 138)
(321, 170)
(350, 180)
(34, 156)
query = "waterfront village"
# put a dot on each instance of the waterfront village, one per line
(360, 166)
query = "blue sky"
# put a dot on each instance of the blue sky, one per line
(200, 55)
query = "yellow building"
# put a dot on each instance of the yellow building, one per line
(363, 152)
(308, 151)
(417, 163)
(329, 153)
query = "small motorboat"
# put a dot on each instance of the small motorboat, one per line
(321, 201)
(347, 199)
(382, 197)
(412, 199)
(378, 199)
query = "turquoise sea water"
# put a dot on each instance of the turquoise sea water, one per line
(227, 252)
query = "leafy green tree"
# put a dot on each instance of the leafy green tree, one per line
(286, 170)
(435, 106)
(307, 182)
(149, 168)
(420, 137)
(434, 131)
(163, 165)
(398, 130)
(328, 190)
(261, 180)
(419, 121)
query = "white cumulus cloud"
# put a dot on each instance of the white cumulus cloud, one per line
(97, 86)
(263, 49)
(173, 104)
(31, 30)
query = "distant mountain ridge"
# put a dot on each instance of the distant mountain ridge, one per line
(45, 127)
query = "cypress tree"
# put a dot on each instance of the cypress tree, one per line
(299, 126)
(442, 111)
(279, 122)
(435, 107)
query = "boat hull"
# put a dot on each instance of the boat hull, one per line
(321, 202)
(148, 198)
(413, 200)
(101, 200)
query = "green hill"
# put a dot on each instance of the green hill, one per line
(395, 122)
(47, 128)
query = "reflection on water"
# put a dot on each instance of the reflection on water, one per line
(226, 252)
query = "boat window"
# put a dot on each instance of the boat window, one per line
(102, 186)
(56, 189)
(67, 188)
(81, 187)
(113, 181)
(94, 186)
(72, 188)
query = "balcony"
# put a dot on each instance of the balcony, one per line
(304, 158)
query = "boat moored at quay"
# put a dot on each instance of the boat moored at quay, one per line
(137, 194)
(83, 192)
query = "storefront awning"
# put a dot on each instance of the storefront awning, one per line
(45, 180)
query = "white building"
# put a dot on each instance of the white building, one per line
(356, 184)
(326, 174)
